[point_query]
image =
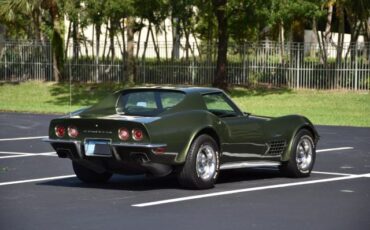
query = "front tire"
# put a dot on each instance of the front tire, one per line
(201, 167)
(89, 176)
(302, 157)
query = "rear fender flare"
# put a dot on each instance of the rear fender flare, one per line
(181, 158)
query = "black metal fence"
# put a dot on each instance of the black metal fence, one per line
(293, 65)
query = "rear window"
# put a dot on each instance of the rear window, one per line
(147, 103)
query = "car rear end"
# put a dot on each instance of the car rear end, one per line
(119, 145)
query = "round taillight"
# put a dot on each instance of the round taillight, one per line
(72, 131)
(123, 134)
(60, 131)
(137, 134)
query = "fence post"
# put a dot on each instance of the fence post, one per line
(243, 76)
(144, 61)
(298, 64)
(51, 62)
(193, 67)
(6, 63)
(356, 67)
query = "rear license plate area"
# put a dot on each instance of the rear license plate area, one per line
(97, 147)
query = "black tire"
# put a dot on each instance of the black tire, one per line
(191, 174)
(296, 166)
(90, 176)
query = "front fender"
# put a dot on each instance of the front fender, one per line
(296, 124)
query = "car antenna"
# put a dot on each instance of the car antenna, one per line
(70, 92)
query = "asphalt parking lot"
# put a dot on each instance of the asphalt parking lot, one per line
(39, 190)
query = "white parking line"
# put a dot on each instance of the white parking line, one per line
(333, 149)
(180, 199)
(22, 138)
(36, 180)
(15, 153)
(332, 173)
(18, 154)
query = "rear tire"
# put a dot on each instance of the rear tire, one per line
(201, 167)
(303, 155)
(89, 176)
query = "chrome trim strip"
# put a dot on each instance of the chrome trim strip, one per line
(245, 143)
(248, 164)
(138, 145)
(114, 145)
(249, 155)
(76, 143)
(60, 141)
(118, 144)
(241, 155)
(168, 153)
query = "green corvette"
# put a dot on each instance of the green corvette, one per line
(193, 132)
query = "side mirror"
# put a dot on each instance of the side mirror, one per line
(246, 114)
(119, 110)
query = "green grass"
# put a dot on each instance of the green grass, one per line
(41, 97)
(321, 107)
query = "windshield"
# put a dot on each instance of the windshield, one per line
(148, 102)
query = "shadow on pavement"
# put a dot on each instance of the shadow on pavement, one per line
(143, 183)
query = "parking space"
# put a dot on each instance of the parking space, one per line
(39, 191)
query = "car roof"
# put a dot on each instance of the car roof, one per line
(185, 89)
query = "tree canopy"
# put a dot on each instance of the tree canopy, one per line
(212, 22)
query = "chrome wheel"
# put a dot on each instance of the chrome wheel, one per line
(304, 153)
(206, 162)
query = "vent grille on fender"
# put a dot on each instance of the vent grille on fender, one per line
(277, 147)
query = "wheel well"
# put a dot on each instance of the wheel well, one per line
(310, 129)
(211, 132)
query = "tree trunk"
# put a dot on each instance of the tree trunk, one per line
(36, 18)
(68, 38)
(156, 49)
(329, 19)
(130, 71)
(282, 42)
(97, 50)
(76, 34)
(107, 28)
(322, 51)
(165, 39)
(146, 43)
(57, 41)
(85, 43)
(2, 40)
(326, 36)
(112, 30)
(340, 34)
(122, 28)
(75, 38)
(187, 43)
(139, 39)
(197, 46)
(175, 39)
(220, 80)
(367, 39)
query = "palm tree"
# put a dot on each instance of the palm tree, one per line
(34, 9)
(28, 9)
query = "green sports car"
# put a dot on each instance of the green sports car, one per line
(193, 132)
